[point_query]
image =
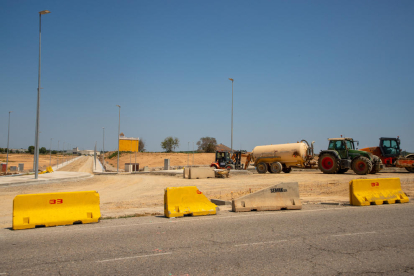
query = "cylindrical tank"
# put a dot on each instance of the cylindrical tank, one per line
(295, 152)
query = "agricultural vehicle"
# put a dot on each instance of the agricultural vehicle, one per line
(224, 160)
(282, 157)
(342, 156)
(390, 153)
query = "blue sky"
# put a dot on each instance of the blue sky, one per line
(302, 70)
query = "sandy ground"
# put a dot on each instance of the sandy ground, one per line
(129, 194)
(27, 159)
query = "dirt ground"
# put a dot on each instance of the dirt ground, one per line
(129, 194)
(27, 160)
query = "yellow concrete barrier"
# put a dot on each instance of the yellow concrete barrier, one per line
(363, 192)
(189, 200)
(34, 210)
(48, 170)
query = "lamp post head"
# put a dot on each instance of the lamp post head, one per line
(44, 12)
(231, 79)
(118, 106)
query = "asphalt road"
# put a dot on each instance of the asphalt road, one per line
(320, 240)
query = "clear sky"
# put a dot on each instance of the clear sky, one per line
(302, 70)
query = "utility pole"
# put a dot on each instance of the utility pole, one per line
(50, 149)
(103, 148)
(232, 80)
(119, 130)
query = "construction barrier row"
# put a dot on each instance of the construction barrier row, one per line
(181, 201)
(52, 209)
(363, 192)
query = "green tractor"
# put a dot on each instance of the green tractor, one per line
(342, 156)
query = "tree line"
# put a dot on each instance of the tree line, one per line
(205, 144)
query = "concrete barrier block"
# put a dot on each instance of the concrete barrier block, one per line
(166, 164)
(273, 198)
(21, 167)
(200, 173)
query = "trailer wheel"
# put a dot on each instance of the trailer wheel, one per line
(361, 165)
(287, 170)
(261, 167)
(275, 167)
(328, 163)
(411, 170)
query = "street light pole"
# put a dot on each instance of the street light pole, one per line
(103, 148)
(38, 99)
(8, 137)
(119, 129)
(50, 162)
(231, 115)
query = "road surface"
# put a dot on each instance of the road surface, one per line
(320, 240)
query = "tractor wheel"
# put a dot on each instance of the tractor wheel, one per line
(361, 165)
(374, 165)
(328, 163)
(261, 167)
(341, 171)
(275, 167)
(287, 170)
(411, 170)
(230, 167)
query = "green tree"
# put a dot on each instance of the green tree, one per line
(207, 144)
(54, 152)
(141, 147)
(170, 143)
(30, 149)
(42, 150)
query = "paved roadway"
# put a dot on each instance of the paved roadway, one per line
(319, 240)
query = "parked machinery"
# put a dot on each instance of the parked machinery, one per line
(342, 155)
(390, 153)
(282, 157)
(224, 160)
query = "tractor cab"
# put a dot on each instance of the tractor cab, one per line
(223, 158)
(342, 145)
(390, 147)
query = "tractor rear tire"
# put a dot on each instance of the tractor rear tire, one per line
(374, 165)
(328, 163)
(261, 168)
(287, 170)
(342, 171)
(275, 167)
(411, 170)
(361, 165)
(230, 167)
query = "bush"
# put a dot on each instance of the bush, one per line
(207, 144)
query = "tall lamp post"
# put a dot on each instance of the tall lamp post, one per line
(103, 148)
(8, 137)
(38, 99)
(119, 129)
(232, 80)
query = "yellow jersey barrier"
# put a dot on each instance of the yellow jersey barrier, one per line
(180, 201)
(52, 209)
(48, 170)
(363, 192)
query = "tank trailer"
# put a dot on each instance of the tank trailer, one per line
(282, 157)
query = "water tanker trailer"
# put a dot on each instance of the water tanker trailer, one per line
(282, 157)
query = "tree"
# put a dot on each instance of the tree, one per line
(42, 150)
(207, 144)
(54, 152)
(30, 149)
(141, 147)
(170, 143)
